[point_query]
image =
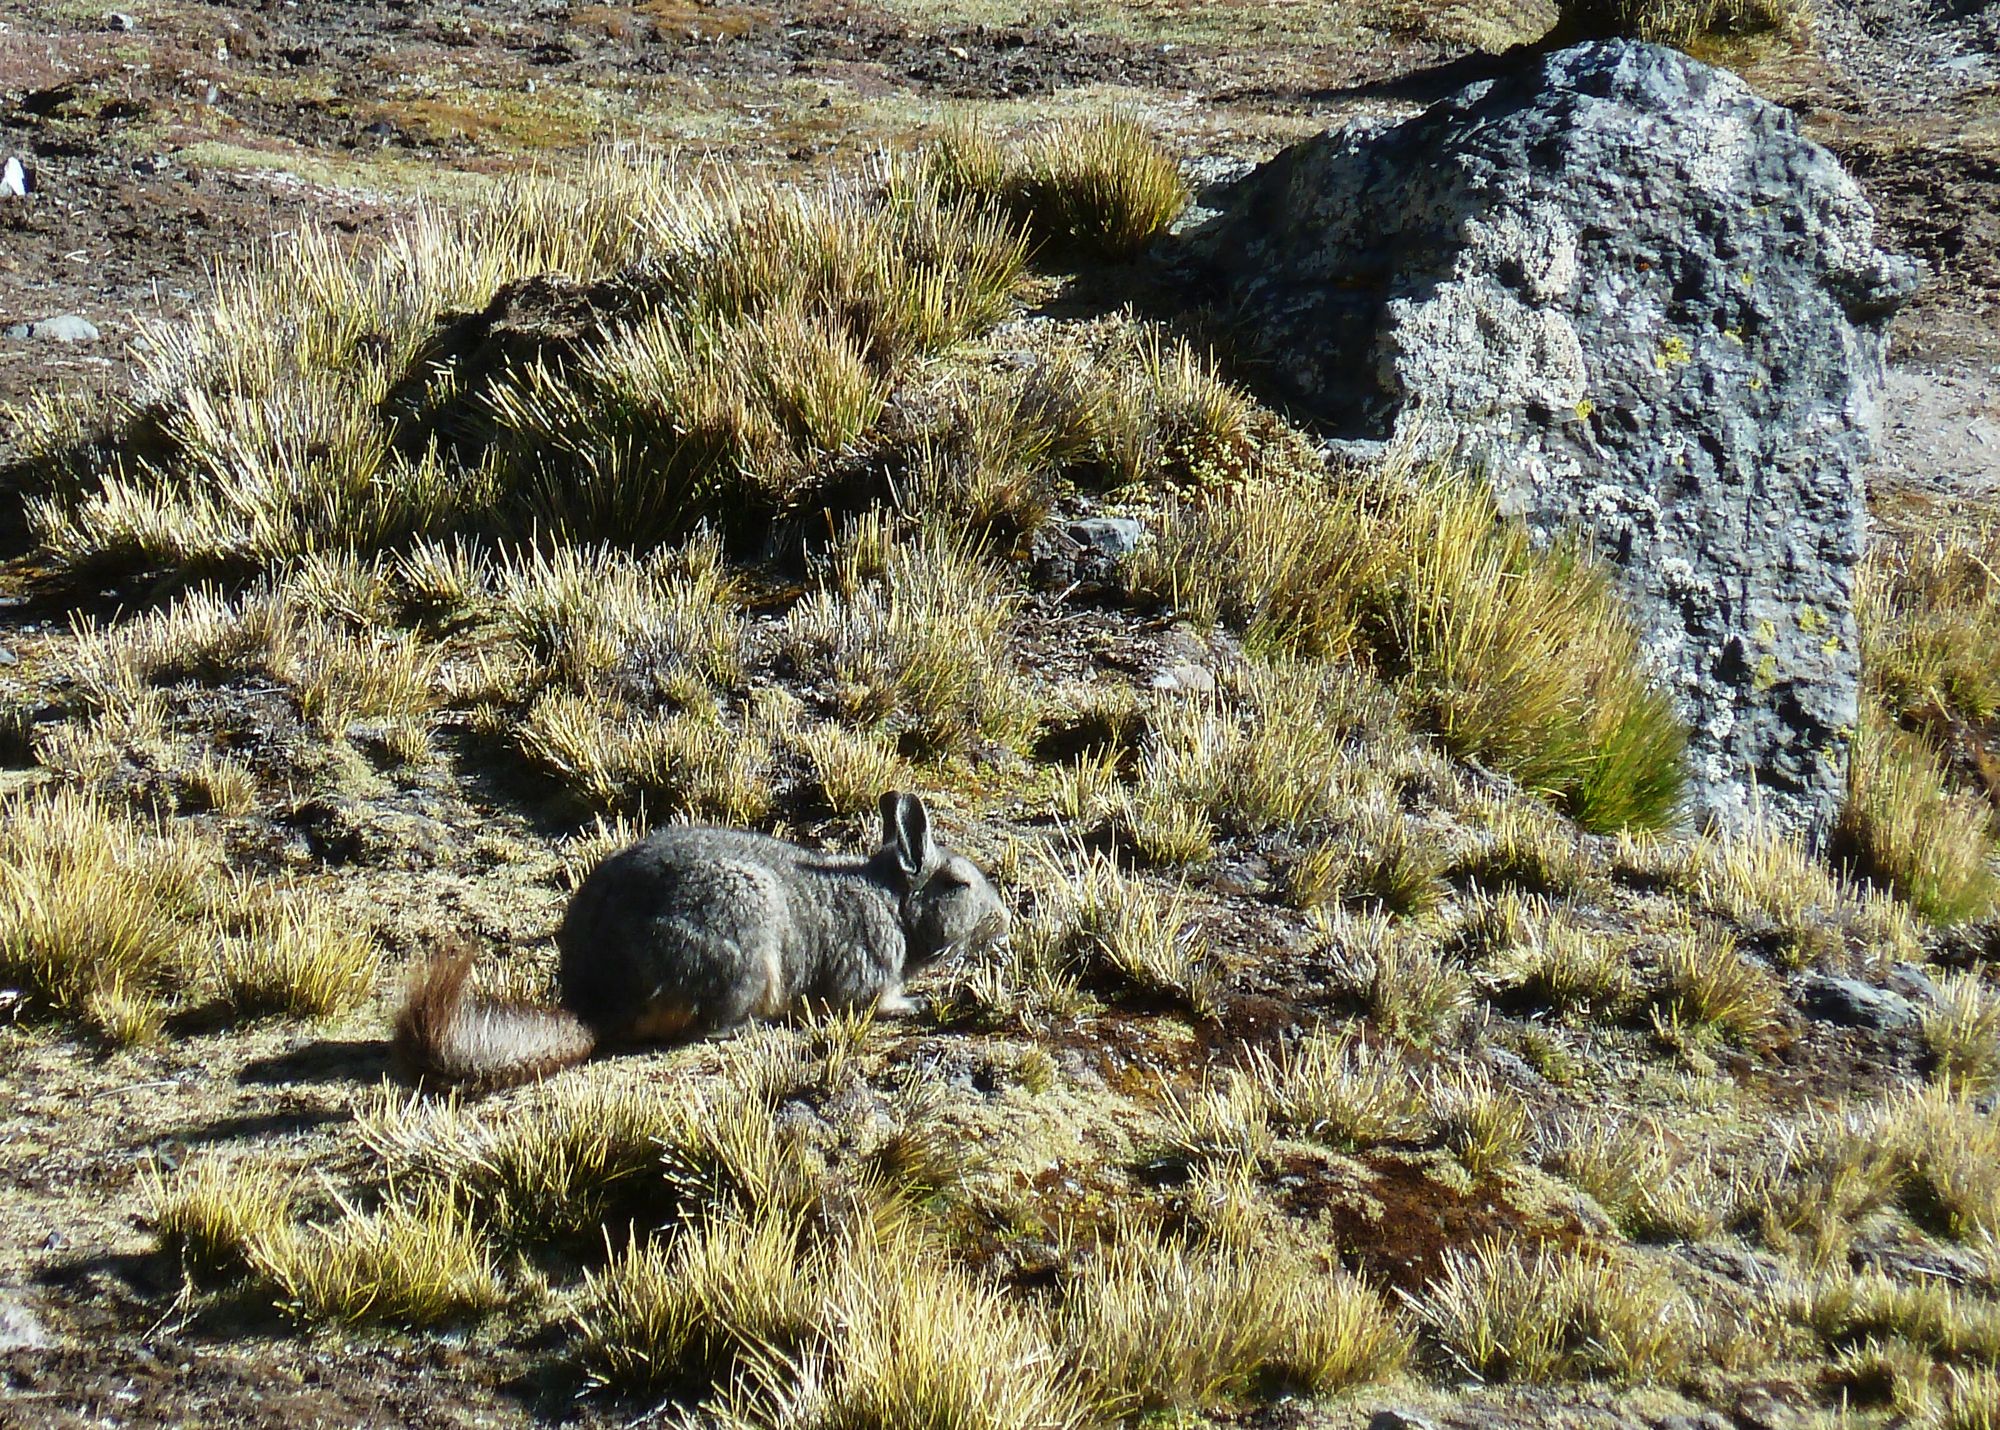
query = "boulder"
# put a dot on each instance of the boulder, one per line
(1650, 309)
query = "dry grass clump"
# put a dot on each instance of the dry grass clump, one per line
(1101, 185)
(1226, 1120)
(1344, 1092)
(1486, 1127)
(1685, 23)
(1846, 1308)
(1413, 991)
(1526, 847)
(701, 764)
(340, 670)
(1653, 1182)
(1544, 956)
(1170, 419)
(1553, 1313)
(412, 1262)
(665, 628)
(1522, 658)
(102, 917)
(1275, 747)
(851, 767)
(1903, 828)
(689, 1313)
(1929, 610)
(214, 1213)
(748, 346)
(1704, 983)
(921, 653)
(683, 417)
(1770, 886)
(1156, 1326)
(1929, 1150)
(1962, 1031)
(1108, 925)
(296, 957)
(555, 1167)
(1385, 859)
(763, 1320)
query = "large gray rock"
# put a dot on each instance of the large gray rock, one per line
(1650, 308)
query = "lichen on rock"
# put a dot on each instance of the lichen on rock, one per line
(1636, 295)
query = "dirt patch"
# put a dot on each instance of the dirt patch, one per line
(1394, 1221)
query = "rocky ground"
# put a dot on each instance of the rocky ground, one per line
(169, 141)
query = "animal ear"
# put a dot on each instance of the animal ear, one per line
(907, 825)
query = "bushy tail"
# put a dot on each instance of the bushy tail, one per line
(444, 1032)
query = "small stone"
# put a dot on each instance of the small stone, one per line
(119, 20)
(1188, 679)
(1399, 1420)
(1853, 1004)
(1915, 984)
(20, 1328)
(1115, 537)
(7, 656)
(14, 180)
(68, 328)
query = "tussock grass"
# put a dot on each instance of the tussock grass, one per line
(1155, 1326)
(340, 670)
(1655, 1184)
(1705, 983)
(1384, 859)
(750, 337)
(1521, 658)
(690, 1313)
(1226, 1120)
(1344, 1092)
(1169, 418)
(1101, 185)
(558, 1166)
(1525, 847)
(683, 417)
(414, 1262)
(1486, 1127)
(920, 654)
(1507, 1313)
(102, 917)
(1545, 956)
(702, 765)
(1929, 611)
(214, 1212)
(299, 958)
(1109, 925)
(1688, 24)
(1946, 1321)
(1903, 828)
(851, 767)
(1962, 1031)
(1273, 748)
(989, 462)
(1414, 993)
(761, 1319)
(663, 628)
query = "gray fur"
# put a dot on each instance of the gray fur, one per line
(695, 930)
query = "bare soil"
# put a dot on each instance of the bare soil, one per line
(174, 148)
